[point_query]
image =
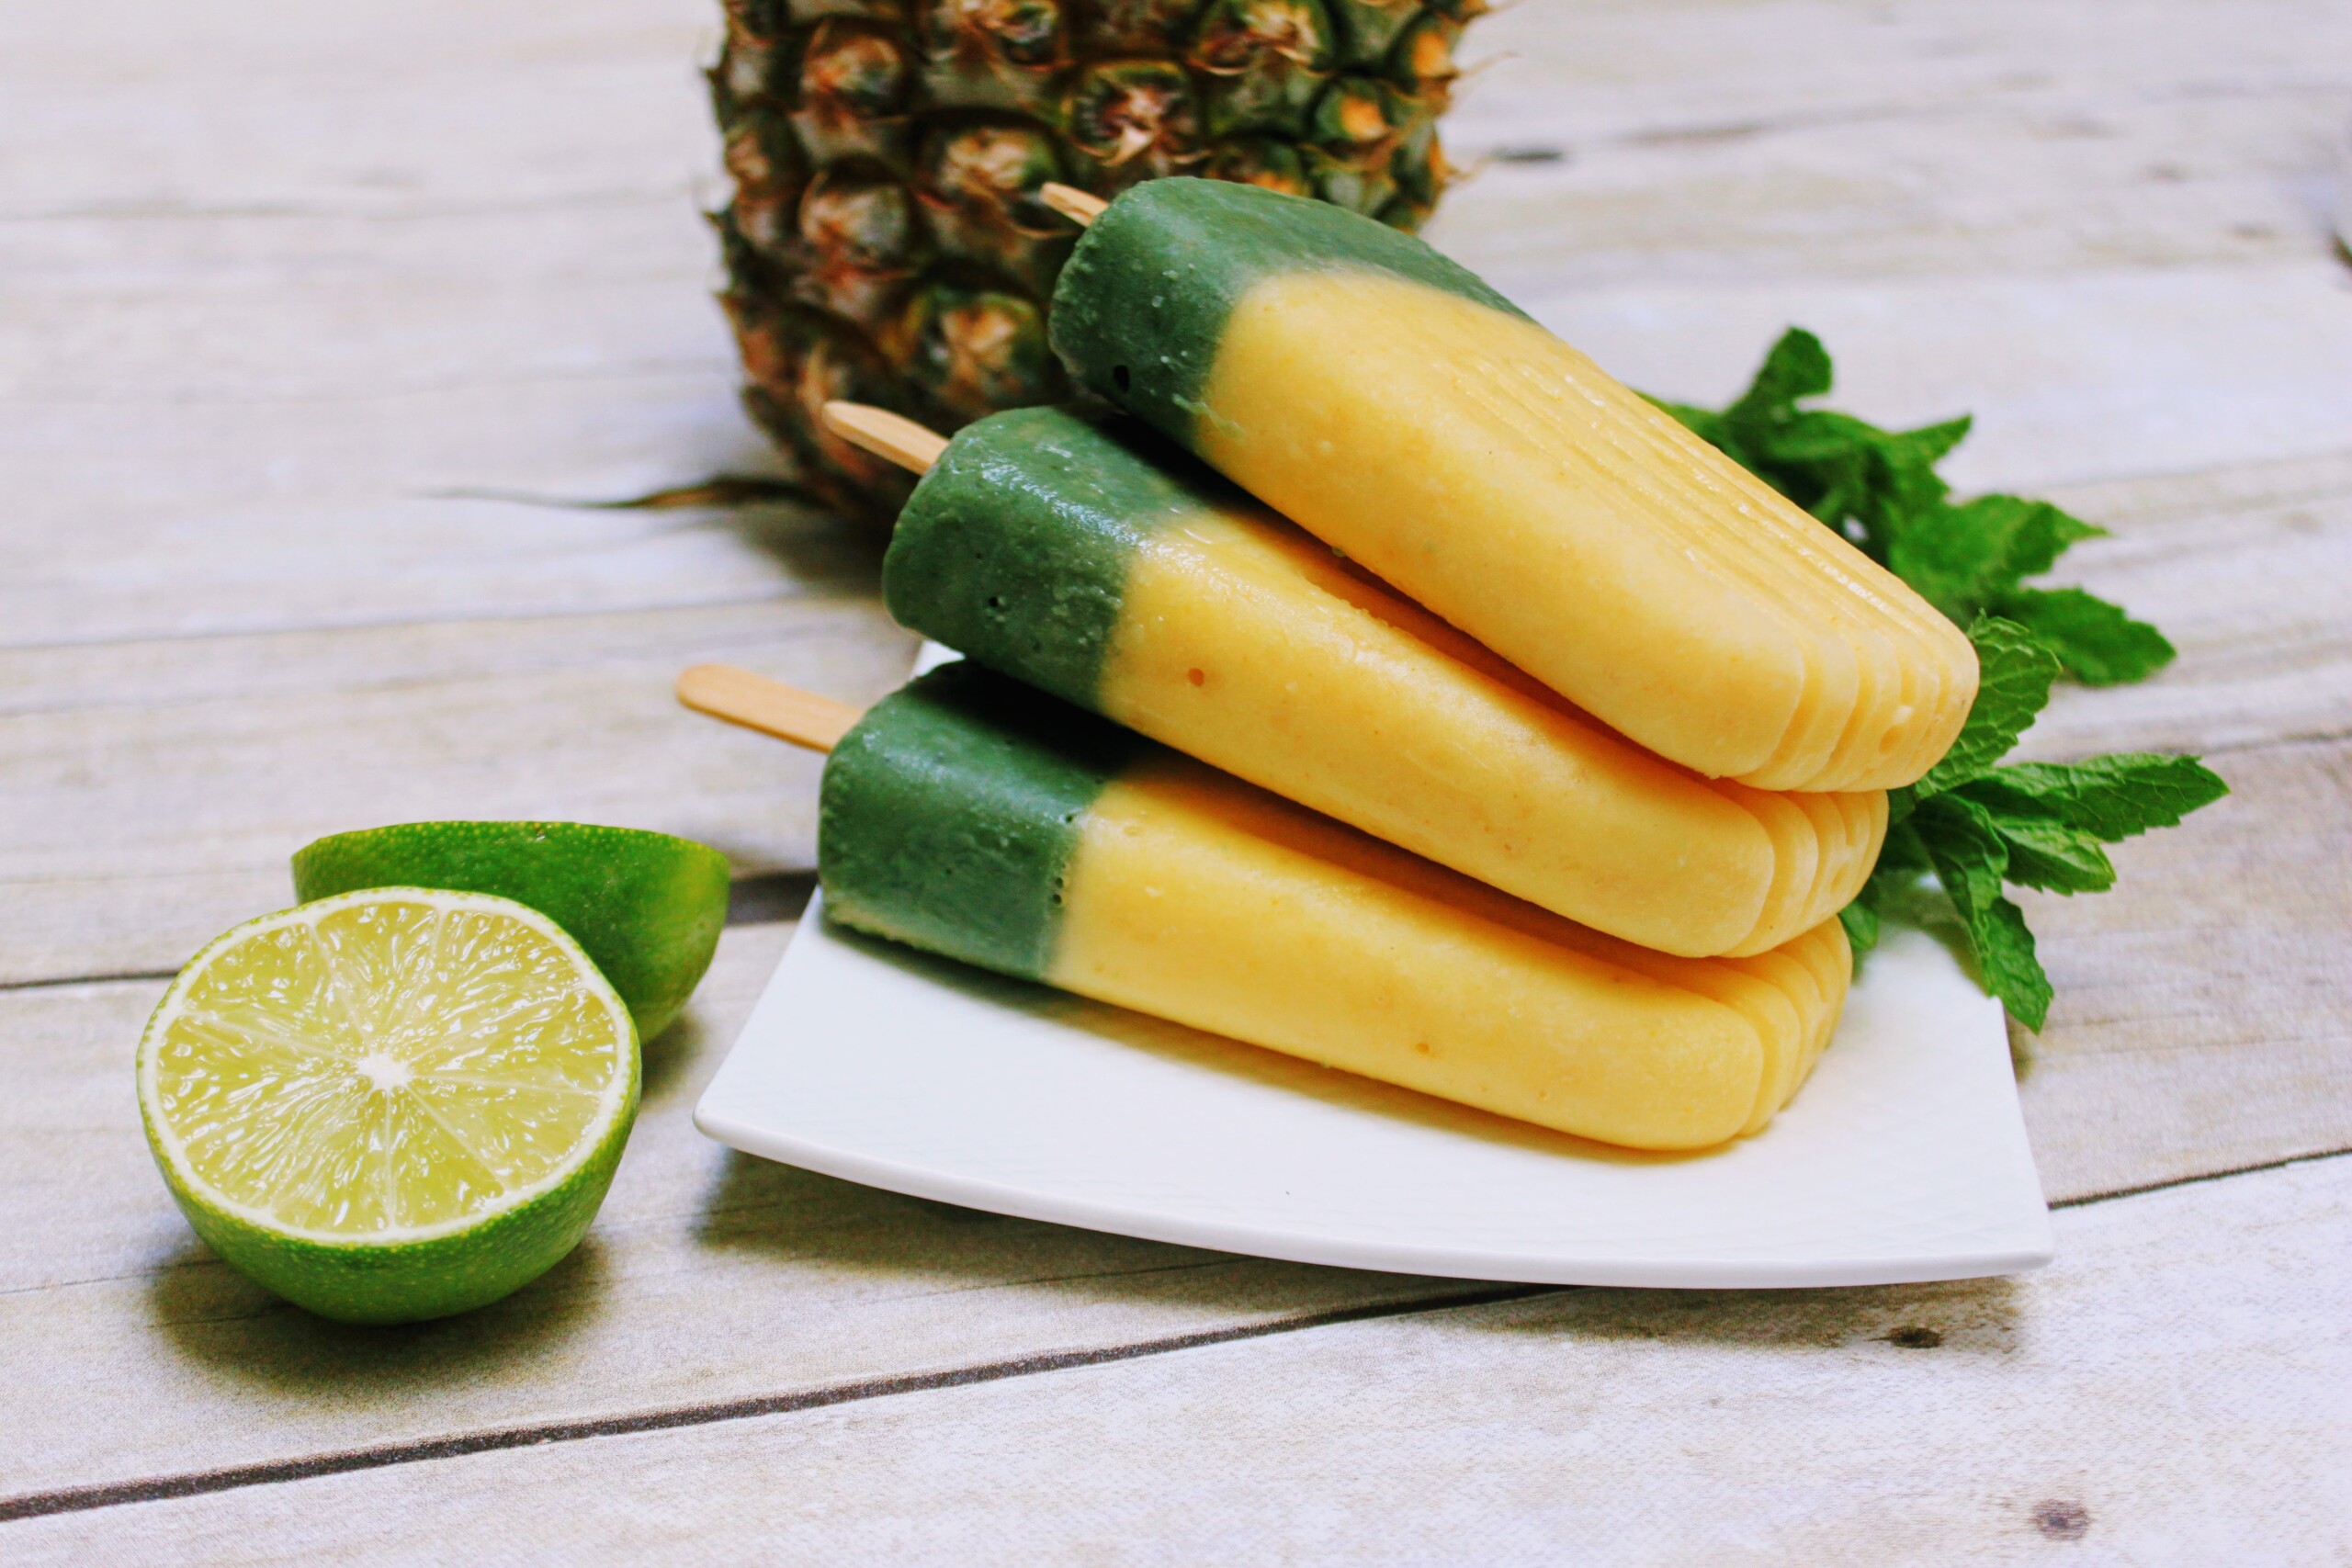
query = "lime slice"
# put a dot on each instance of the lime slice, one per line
(391, 1105)
(646, 906)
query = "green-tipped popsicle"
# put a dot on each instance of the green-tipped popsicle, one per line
(1394, 405)
(975, 816)
(1090, 558)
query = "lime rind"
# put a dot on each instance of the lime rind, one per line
(402, 1273)
(411, 1281)
(647, 905)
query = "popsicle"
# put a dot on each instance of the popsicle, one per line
(1086, 557)
(1394, 405)
(975, 816)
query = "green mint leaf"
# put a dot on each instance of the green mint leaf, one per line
(1957, 557)
(2099, 644)
(2042, 534)
(1967, 852)
(1966, 559)
(1972, 860)
(2014, 673)
(2005, 955)
(1977, 824)
(2047, 853)
(1861, 923)
(1796, 367)
(1872, 485)
(2109, 797)
(1904, 855)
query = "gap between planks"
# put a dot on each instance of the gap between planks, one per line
(161, 1488)
(762, 898)
(76, 1499)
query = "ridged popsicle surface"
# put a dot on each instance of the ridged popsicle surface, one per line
(1395, 407)
(1100, 563)
(974, 817)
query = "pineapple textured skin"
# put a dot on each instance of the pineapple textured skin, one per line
(885, 242)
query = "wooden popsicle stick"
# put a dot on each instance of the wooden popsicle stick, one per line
(1071, 202)
(884, 434)
(739, 697)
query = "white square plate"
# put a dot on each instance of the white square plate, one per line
(1904, 1158)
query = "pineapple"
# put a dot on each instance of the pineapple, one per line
(885, 242)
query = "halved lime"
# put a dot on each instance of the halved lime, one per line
(391, 1105)
(648, 906)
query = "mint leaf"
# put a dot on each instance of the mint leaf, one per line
(1967, 558)
(1880, 489)
(1967, 851)
(1861, 923)
(2003, 945)
(2041, 535)
(1795, 368)
(2014, 673)
(1959, 558)
(2047, 853)
(1976, 823)
(2097, 642)
(1972, 860)
(2109, 797)
(1901, 864)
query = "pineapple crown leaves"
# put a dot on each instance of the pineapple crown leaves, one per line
(1974, 822)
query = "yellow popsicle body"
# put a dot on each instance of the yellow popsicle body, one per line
(1713, 622)
(1396, 407)
(1091, 561)
(980, 818)
(1222, 908)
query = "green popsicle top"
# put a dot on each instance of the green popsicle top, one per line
(949, 815)
(1015, 549)
(1142, 303)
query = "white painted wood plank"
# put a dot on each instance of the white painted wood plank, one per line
(151, 792)
(1727, 141)
(254, 338)
(2199, 1028)
(129, 1352)
(2249, 571)
(2201, 1022)
(250, 338)
(154, 787)
(2176, 1388)
(2104, 376)
(380, 109)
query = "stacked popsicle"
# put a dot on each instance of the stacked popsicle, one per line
(1427, 581)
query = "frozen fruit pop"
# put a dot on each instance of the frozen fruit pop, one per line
(1390, 402)
(977, 817)
(1090, 558)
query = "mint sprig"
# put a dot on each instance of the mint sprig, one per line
(1880, 490)
(1978, 824)
(1975, 823)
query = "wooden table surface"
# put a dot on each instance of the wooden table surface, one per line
(329, 334)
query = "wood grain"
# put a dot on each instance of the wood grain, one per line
(129, 1352)
(2201, 1022)
(2175, 1388)
(2249, 571)
(1694, 141)
(2075, 378)
(151, 792)
(321, 323)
